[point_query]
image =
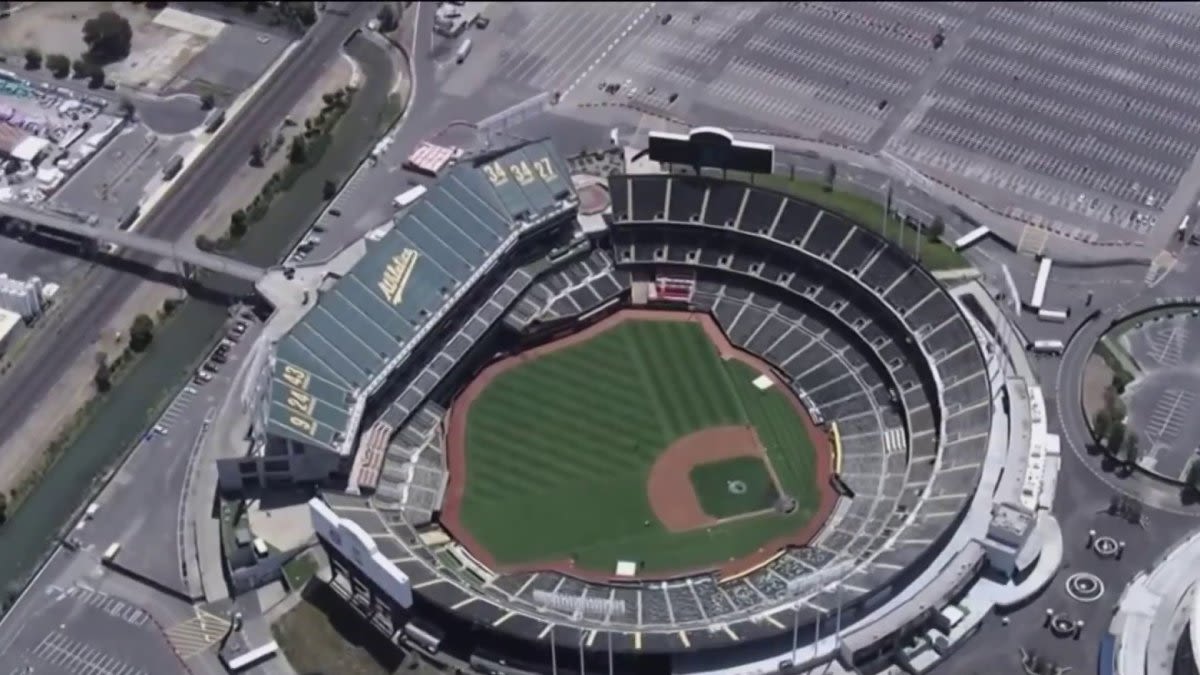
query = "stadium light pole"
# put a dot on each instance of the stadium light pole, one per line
(610, 653)
(795, 630)
(582, 667)
(553, 653)
(837, 630)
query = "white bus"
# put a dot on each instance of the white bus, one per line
(970, 237)
(407, 197)
(1039, 284)
(1055, 315)
(110, 554)
(1046, 346)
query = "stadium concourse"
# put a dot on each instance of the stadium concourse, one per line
(941, 460)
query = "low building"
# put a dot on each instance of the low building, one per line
(24, 298)
(8, 328)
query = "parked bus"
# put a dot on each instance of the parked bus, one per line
(1039, 284)
(406, 198)
(1055, 315)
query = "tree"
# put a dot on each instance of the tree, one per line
(96, 77)
(58, 65)
(108, 37)
(298, 152)
(1130, 450)
(1120, 380)
(141, 333)
(388, 19)
(103, 376)
(304, 12)
(80, 68)
(1116, 436)
(207, 101)
(256, 156)
(830, 176)
(1101, 423)
(1193, 476)
(170, 305)
(33, 59)
(237, 224)
(329, 190)
(205, 244)
(127, 108)
(937, 228)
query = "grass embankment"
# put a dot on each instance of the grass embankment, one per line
(108, 374)
(935, 254)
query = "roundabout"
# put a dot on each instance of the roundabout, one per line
(1075, 426)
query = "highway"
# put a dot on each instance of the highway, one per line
(54, 349)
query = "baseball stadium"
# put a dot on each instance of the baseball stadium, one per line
(655, 421)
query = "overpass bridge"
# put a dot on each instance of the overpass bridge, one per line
(184, 253)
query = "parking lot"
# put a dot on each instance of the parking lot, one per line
(1164, 400)
(1092, 115)
(830, 70)
(47, 133)
(111, 185)
(88, 623)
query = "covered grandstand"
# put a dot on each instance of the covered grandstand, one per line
(419, 275)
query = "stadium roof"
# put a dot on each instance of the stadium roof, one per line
(361, 327)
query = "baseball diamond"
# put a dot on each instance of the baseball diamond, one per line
(734, 487)
(610, 445)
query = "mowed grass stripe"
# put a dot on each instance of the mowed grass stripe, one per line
(678, 375)
(558, 511)
(567, 461)
(648, 390)
(723, 400)
(584, 437)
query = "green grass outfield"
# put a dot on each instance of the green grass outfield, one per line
(718, 498)
(559, 450)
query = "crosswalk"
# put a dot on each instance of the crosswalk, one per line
(197, 635)
(893, 440)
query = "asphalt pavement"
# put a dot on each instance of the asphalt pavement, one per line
(103, 292)
(143, 508)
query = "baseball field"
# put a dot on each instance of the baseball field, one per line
(642, 438)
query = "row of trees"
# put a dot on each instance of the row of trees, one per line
(303, 150)
(60, 66)
(1108, 424)
(141, 334)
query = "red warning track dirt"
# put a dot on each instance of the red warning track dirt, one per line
(686, 516)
